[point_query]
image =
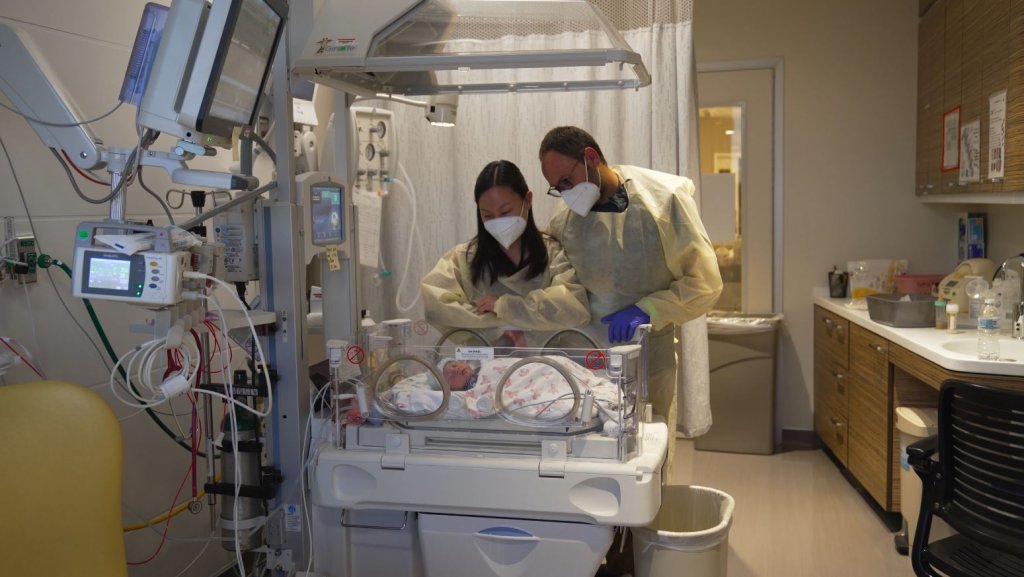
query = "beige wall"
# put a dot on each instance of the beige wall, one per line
(848, 152)
(87, 45)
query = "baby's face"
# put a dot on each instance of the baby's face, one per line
(457, 373)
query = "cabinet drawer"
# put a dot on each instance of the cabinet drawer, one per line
(831, 383)
(831, 428)
(869, 356)
(831, 336)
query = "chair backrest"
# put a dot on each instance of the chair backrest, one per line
(981, 454)
(60, 490)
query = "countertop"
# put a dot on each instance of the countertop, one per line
(929, 343)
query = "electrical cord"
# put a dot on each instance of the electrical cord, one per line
(49, 276)
(86, 175)
(263, 144)
(74, 183)
(88, 305)
(62, 124)
(23, 359)
(159, 200)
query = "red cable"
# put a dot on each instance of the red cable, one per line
(195, 416)
(23, 359)
(167, 525)
(81, 173)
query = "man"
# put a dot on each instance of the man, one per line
(639, 248)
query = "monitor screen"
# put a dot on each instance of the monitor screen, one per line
(303, 89)
(245, 64)
(109, 274)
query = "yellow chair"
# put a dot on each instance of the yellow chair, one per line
(60, 487)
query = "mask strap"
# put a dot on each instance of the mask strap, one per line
(586, 170)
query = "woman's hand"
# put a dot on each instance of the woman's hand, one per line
(485, 304)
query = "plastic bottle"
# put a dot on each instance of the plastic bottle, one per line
(941, 321)
(977, 290)
(988, 331)
(952, 310)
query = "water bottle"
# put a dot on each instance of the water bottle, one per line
(988, 331)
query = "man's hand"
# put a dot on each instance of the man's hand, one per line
(623, 324)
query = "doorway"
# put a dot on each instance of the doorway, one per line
(739, 202)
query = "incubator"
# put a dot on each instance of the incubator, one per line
(483, 447)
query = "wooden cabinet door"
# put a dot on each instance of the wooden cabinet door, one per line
(870, 414)
(953, 51)
(930, 98)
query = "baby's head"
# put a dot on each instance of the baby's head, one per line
(458, 374)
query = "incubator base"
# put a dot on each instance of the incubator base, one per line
(490, 479)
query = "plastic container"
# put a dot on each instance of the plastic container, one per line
(914, 424)
(689, 537)
(941, 322)
(902, 311)
(952, 311)
(917, 283)
(742, 359)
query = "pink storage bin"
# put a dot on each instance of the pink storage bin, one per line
(917, 283)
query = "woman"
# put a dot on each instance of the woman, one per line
(510, 277)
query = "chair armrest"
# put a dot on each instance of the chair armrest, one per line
(920, 454)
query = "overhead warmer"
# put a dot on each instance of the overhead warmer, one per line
(410, 47)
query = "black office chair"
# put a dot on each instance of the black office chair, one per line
(976, 485)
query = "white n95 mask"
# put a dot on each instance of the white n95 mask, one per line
(582, 197)
(506, 229)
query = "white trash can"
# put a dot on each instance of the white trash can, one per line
(690, 535)
(914, 424)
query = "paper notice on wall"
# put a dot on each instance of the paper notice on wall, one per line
(970, 152)
(950, 138)
(996, 134)
(368, 210)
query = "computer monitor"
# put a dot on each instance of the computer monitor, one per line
(303, 98)
(211, 67)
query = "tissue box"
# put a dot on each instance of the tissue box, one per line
(917, 283)
(893, 310)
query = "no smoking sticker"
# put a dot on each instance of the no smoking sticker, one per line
(355, 354)
(420, 327)
(595, 360)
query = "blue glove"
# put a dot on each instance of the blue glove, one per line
(623, 324)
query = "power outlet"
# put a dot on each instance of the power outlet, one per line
(27, 253)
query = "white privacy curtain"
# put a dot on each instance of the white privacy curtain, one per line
(653, 127)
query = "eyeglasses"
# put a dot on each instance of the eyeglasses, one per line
(564, 183)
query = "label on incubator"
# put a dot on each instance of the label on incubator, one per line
(474, 353)
(292, 518)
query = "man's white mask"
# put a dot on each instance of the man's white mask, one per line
(582, 197)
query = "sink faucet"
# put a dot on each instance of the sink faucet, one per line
(1016, 264)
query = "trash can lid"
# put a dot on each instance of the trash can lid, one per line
(739, 323)
(917, 421)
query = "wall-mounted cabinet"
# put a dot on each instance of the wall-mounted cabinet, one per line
(968, 52)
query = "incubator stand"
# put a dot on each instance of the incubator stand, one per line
(543, 446)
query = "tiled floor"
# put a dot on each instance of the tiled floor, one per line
(796, 516)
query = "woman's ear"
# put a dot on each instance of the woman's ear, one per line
(528, 200)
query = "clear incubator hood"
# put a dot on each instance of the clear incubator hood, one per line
(425, 47)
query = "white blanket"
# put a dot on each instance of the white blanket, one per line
(535, 391)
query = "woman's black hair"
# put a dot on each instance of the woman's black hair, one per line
(489, 260)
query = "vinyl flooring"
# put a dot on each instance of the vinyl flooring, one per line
(796, 516)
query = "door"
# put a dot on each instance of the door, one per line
(737, 202)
